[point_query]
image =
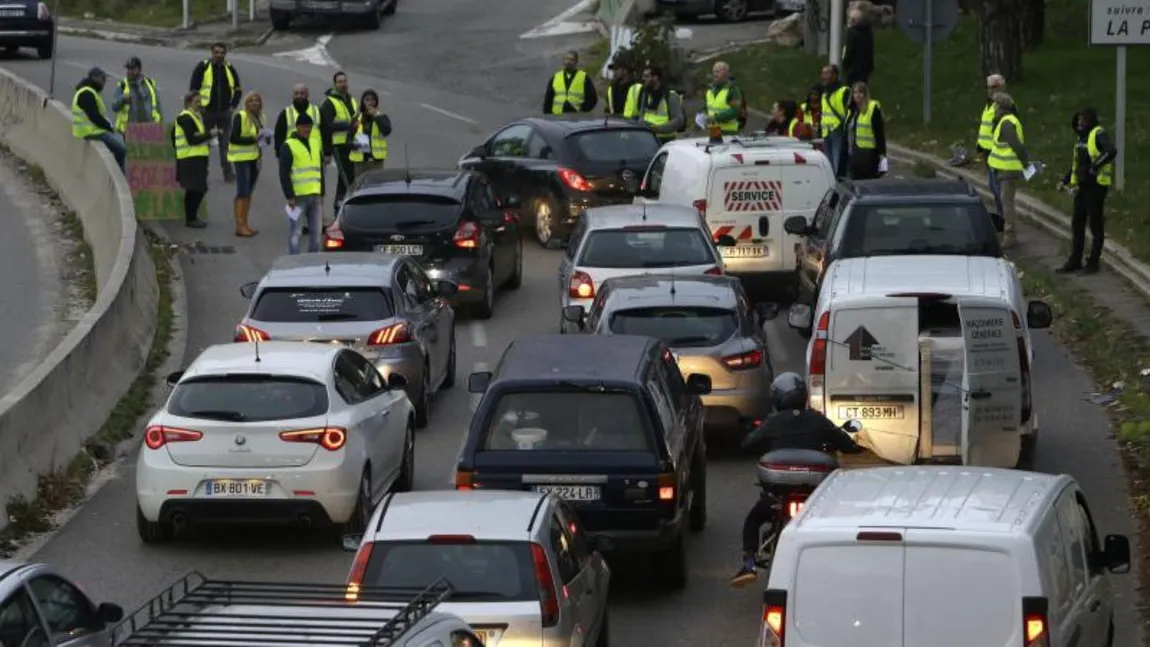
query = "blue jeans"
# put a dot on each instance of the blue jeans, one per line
(995, 189)
(247, 173)
(833, 143)
(116, 147)
(311, 210)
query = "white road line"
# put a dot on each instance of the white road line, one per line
(478, 334)
(480, 367)
(316, 54)
(558, 26)
(448, 113)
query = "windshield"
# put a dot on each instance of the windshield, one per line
(679, 327)
(567, 421)
(311, 305)
(646, 248)
(478, 572)
(398, 212)
(629, 146)
(961, 230)
(248, 398)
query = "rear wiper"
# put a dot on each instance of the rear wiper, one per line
(218, 414)
(697, 339)
(334, 316)
(463, 595)
(651, 264)
(414, 223)
(598, 388)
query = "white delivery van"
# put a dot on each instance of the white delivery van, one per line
(745, 187)
(932, 353)
(936, 556)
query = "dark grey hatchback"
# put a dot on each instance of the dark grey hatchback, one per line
(27, 23)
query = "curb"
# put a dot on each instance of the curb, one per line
(120, 37)
(263, 38)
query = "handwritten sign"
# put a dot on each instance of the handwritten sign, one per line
(152, 173)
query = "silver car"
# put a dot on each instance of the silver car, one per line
(381, 305)
(521, 568)
(712, 329)
(39, 607)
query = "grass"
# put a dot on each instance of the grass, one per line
(81, 266)
(154, 13)
(1059, 78)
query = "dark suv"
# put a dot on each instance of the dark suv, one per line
(607, 423)
(452, 222)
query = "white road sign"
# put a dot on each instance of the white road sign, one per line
(1120, 22)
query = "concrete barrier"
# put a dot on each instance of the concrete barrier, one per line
(46, 418)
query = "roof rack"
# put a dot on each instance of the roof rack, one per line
(198, 612)
(758, 139)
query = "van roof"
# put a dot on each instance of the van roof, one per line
(955, 498)
(754, 145)
(968, 276)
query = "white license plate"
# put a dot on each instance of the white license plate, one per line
(746, 251)
(236, 488)
(489, 637)
(571, 492)
(402, 250)
(11, 13)
(872, 412)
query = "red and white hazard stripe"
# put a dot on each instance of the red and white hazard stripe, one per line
(772, 203)
(727, 230)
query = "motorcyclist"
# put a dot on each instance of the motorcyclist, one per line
(792, 426)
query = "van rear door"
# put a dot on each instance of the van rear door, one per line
(992, 384)
(741, 193)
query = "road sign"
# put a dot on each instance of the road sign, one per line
(1120, 22)
(926, 23)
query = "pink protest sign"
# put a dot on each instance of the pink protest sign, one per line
(152, 172)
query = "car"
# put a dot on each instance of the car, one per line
(385, 307)
(284, 432)
(633, 239)
(724, 10)
(365, 13)
(891, 217)
(606, 422)
(27, 23)
(1017, 550)
(711, 328)
(520, 565)
(562, 166)
(38, 598)
(451, 221)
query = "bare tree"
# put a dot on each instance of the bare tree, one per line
(1033, 23)
(999, 28)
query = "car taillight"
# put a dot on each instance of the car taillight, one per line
(467, 236)
(701, 207)
(156, 436)
(548, 598)
(464, 480)
(818, 366)
(794, 506)
(573, 180)
(250, 333)
(1035, 630)
(358, 571)
(1024, 368)
(396, 333)
(333, 236)
(774, 618)
(581, 286)
(743, 361)
(715, 271)
(330, 438)
(668, 486)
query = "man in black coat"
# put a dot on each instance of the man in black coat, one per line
(858, 52)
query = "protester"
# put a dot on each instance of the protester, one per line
(835, 97)
(785, 119)
(724, 100)
(375, 125)
(813, 109)
(248, 136)
(1009, 159)
(190, 139)
(1091, 174)
(570, 89)
(659, 107)
(858, 51)
(338, 117)
(285, 122)
(218, 85)
(622, 92)
(866, 135)
(88, 120)
(302, 181)
(995, 83)
(135, 100)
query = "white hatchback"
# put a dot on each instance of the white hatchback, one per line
(275, 432)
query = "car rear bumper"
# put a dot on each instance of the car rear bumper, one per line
(664, 535)
(468, 273)
(25, 35)
(354, 7)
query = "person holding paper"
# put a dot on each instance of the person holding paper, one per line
(190, 139)
(1009, 159)
(301, 178)
(248, 137)
(866, 135)
(1091, 174)
(369, 142)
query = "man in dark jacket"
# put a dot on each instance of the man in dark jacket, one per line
(88, 120)
(858, 52)
(570, 90)
(302, 181)
(338, 117)
(220, 93)
(1091, 173)
(623, 92)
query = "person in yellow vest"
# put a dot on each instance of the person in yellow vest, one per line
(135, 100)
(285, 123)
(190, 138)
(995, 83)
(832, 117)
(370, 136)
(622, 92)
(218, 85)
(1091, 174)
(88, 120)
(866, 135)
(1009, 159)
(659, 107)
(301, 178)
(724, 100)
(249, 135)
(570, 89)
(338, 117)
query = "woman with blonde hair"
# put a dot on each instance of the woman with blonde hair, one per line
(248, 136)
(866, 135)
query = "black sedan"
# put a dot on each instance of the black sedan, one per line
(560, 167)
(26, 23)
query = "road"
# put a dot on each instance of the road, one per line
(442, 103)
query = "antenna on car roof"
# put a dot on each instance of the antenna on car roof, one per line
(327, 267)
(644, 212)
(406, 166)
(672, 284)
(256, 341)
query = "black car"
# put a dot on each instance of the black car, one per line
(891, 217)
(26, 23)
(561, 166)
(607, 423)
(451, 221)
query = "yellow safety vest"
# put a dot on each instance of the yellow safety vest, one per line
(122, 116)
(291, 115)
(1002, 157)
(206, 84)
(631, 105)
(342, 116)
(378, 143)
(306, 169)
(82, 127)
(834, 111)
(184, 150)
(572, 94)
(1105, 174)
(864, 130)
(718, 102)
(659, 116)
(248, 128)
(792, 127)
(986, 127)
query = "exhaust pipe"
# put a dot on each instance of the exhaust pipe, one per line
(179, 522)
(304, 521)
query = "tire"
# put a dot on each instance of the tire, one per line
(449, 378)
(152, 532)
(45, 51)
(604, 637)
(374, 20)
(281, 20)
(363, 507)
(731, 10)
(405, 482)
(423, 403)
(545, 210)
(486, 308)
(516, 280)
(671, 565)
(697, 519)
(390, 10)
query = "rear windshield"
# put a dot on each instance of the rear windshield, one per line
(646, 248)
(962, 230)
(677, 326)
(629, 145)
(248, 398)
(987, 582)
(567, 422)
(836, 600)
(309, 305)
(478, 572)
(399, 212)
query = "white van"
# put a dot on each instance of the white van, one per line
(744, 187)
(932, 353)
(943, 557)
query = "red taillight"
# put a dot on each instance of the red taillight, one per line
(743, 361)
(581, 286)
(358, 571)
(794, 506)
(1023, 367)
(157, 436)
(1035, 627)
(396, 333)
(330, 438)
(548, 598)
(464, 480)
(774, 618)
(573, 180)
(819, 350)
(333, 236)
(467, 236)
(714, 271)
(250, 333)
(667, 484)
(510, 218)
(701, 207)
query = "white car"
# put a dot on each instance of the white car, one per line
(287, 432)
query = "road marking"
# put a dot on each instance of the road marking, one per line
(775, 342)
(315, 55)
(560, 26)
(448, 113)
(478, 334)
(480, 367)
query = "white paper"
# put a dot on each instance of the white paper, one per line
(1029, 172)
(362, 142)
(701, 120)
(293, 213)
(266, 133)
(883, 165)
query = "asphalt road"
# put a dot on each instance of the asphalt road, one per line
(429, 55)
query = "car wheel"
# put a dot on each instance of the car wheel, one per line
(45, 51)
(363, 507)
(486, 308)
(374, 20)
(516, 280)
(390, 10)
(545, 222)
(281, 20)
(423, 402)
(449, 377)
(152, 532)
(604, 638)
(406, 480)
(697, 519)
(671, 565)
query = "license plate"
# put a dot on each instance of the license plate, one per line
(747, 251)
(571, 492)
(11, 13)
(402, 250)
(233, 488)
(872, 412)
(489, 637)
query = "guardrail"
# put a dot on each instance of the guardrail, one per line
(47, 417)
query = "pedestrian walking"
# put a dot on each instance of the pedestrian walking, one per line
(1091, 175)
(866, 135)
(218, 85)
(835, 97)
(858, 50)
(338, 117)
(1009, 159)
(135, 100)
(659, 107)
(371, 132)
(245, 152)
(570, 90)
(622, 92)
(724, 100)
(190, 138)
(88, 120)
(995, 83)
(302, 181)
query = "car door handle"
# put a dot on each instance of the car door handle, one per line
(1094, 605)
(385, 413)
(589, 592)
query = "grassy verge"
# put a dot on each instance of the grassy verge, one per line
(1059, 78)
(154, 13)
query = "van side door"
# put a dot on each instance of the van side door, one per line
(1091, 596)
(812, 249)
(991, 384)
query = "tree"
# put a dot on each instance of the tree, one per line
(999, 43)
(1033, 23)
(654, 44)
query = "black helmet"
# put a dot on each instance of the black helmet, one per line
(789, 391)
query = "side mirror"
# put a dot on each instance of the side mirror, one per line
(174, 377)
(726, 240)
(1039, 315)
(351, 542)
(1116, 554)
(479, 151)
(478, 382)
(853, 426)
(446, 288)
(574, 315)
(698, 384)
(999, 222)
(764, 226)
(796, 226)
(109, 613)
(766, 311)
(396, 381)
(247, 290)
(603, 544)
(799, 317)
(512, 202)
